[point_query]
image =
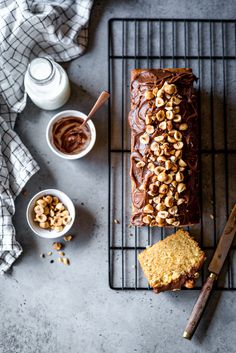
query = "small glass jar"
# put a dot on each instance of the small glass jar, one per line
(47, 84)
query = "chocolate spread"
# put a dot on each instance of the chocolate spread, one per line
(68, 137)
(143, 80)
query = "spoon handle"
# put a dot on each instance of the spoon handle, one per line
(100, 101)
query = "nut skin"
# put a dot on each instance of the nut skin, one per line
(153, 188)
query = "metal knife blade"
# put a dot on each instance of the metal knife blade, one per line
(224, 244)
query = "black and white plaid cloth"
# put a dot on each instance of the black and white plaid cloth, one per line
(28, 28)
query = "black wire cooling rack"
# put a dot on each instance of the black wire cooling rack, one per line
(209, 48)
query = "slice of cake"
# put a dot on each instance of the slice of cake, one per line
(173, 262)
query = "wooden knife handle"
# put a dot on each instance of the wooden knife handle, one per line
(199, 307)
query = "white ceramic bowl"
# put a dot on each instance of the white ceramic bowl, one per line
(46, 233)
(49, 135)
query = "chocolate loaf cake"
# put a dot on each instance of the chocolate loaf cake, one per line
(164, 148)
(173, 262)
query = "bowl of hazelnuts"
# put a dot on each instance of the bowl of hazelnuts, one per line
(50, 213)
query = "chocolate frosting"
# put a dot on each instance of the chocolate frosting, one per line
(68, 137)
(143, 80)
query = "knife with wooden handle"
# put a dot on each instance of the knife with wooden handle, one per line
(215, 267)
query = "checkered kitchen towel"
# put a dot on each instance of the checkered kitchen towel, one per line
(28, 28)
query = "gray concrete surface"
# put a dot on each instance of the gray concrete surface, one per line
(50, 308)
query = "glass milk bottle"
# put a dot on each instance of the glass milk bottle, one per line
(47, 84)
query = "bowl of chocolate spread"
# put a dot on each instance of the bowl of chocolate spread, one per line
(66, 138)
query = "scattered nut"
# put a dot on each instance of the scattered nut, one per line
(171, 139)
(173, 210)
(70, 237)
(148, 119)
(66, 261)
(170, 89)
(41, 202)
(176, 109)
(180, 201)
(189, 283)
(159, 102)
(160, 207)
(57, 246)
(140, 164)
(169, 114)
(151, 166)
(162, 176)
(169, 179)
(61, 253)
(169, 201)
(162, 125)
(183, 127)
(182, 163)
(170, 220)
(149, 129)
(147, 219)
(179, 177)
(41, 218)
(148, 95)
(148, 209)
(162, 214)
(160, 115)
(176, 223)
(48, 199)
(49, 253)
(169, 125)
(44, 225)
(177, 118)
(175, 100)
(179, 145)
(178, 136)
(163, 189)
(181, 187)
(159, 138)
(144, 138)
(153, 188)
(168, 106)
(38, 209)
(154, 146)
(168, 164)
